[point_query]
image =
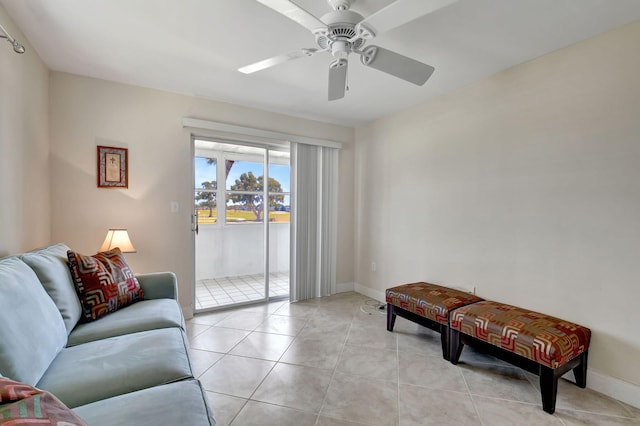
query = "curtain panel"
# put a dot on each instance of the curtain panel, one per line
(314, 189)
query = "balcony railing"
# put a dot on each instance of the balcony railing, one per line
(230, 263)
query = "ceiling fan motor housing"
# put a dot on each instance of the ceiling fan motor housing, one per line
(340, 29)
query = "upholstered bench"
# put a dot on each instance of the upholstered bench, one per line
(541, 344)
(428, 305)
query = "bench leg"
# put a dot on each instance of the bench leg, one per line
(391, 317)
(444, 339)
(580, 371)
(455, 346)
(548, 389)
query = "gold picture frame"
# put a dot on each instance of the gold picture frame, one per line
(113, 167)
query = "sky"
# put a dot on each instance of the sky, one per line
(207, 172)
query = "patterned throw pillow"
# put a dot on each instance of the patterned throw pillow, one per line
(22, 404)
(104, 283)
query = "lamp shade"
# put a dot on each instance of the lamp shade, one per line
(118, 238)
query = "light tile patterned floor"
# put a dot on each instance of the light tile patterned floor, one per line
(331, 362)
(217, 292)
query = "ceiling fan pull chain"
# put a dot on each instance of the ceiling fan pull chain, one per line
(347, 81)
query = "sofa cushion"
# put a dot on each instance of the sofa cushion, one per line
(21, 404)
(180, 403)
(105, 368)
(32, 331)
(141, 316)
(50, 265)
(104, 282)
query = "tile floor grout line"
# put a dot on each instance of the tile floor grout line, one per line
(196, 335)
(631, 416)
(335, 369)
(594, 412)
(325, 314)
(259, 384)
(246, 401)
(561, 421)
(275, 363)
(209, 368)
(473, 401)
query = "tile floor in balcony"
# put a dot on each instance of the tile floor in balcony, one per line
(217, 292)
(327, 361)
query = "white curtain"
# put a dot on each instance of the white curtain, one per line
(314, 189)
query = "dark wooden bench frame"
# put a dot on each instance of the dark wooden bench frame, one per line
(548, 376)
(443, 329)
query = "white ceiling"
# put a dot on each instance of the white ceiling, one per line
(194, 47)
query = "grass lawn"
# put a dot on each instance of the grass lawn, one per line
(238, 216)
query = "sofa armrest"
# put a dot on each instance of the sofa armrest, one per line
(159, 285)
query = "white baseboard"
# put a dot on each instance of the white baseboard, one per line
(613, 387)
(599, 382)
(374, 294)
(345, 287)
(187, 312)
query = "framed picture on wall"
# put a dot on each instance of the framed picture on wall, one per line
(113, 167)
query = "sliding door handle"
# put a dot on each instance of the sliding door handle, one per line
(194, 223)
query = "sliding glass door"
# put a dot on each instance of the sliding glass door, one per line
(241, 223)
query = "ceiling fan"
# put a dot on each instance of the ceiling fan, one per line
(344, 31)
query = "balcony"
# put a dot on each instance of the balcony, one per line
(230, 264)
(217, 292)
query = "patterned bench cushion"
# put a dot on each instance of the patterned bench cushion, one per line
(429, 300)
(544, 339)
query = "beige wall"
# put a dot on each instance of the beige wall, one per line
(86, 112)
(24, 146)
(525, 185)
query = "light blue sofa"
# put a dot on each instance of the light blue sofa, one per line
(129, 367)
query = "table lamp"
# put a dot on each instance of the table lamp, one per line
(118, 238)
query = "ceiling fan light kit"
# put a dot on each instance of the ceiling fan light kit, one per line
(343, 31)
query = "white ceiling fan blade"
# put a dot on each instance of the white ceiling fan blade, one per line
(400, 12)
(397, 65)
(276, 60)
(295, 13)
(337, 79)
